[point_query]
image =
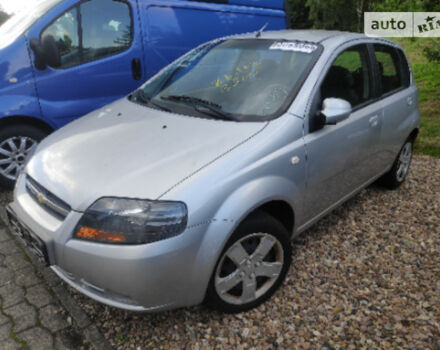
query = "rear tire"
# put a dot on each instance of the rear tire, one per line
(16, 141)
(252, 265)
(399, 171)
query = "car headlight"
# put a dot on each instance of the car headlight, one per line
(131, 221)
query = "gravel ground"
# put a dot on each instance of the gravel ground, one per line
(365, 277)
(5, 197)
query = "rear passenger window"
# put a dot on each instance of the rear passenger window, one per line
(388, 65)
(349, 77)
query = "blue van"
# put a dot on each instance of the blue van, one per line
(61, 59)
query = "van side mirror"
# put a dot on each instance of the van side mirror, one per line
(335, 110)
(46, 52)
(51, 52)
(36, 46)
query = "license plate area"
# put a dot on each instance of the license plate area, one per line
(29, 239)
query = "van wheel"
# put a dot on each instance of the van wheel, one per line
(16, 141)
(398, 173)
(252, 266)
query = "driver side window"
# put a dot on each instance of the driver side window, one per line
(92, 30)
(65, 32)
(349, 77)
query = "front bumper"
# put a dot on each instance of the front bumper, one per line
(104, 297)
(151, 277)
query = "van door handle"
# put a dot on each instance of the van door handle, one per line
(374, 120)
(136, 68)
(409, 101)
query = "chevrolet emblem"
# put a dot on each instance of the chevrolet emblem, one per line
(41, 198)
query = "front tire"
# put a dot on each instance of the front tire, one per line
(16, 141)
(252, 265)
(399, 171)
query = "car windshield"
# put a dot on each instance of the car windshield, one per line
(21, 15)
(235, 79)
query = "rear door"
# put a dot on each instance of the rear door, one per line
(399, 100)
(342, 157)
(101, 54)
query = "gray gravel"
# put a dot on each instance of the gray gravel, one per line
(5, 197)
(367, 276)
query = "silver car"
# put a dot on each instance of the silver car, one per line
(190, 189)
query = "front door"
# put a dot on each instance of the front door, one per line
(100, 50)
(341, 157)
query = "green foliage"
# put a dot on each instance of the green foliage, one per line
(299, 14)
(427, 77)
(339, 14)
(432, 52)
(407, 6)
(350, 60)
(349, 14)
(398, 6)
(430, 5)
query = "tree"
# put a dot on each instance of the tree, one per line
(407, 6)
(299, 14)
(339, 14)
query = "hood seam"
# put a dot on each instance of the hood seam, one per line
(212, 161)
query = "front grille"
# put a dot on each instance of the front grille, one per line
(46, 199)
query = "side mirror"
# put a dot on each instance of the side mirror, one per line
(51, 52)
(36, 46)
(335, 110)
(46, 52)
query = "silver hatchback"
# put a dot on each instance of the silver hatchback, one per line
(191, 188)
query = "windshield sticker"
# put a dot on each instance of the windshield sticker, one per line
(294, 46)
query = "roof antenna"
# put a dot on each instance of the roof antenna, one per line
(261, 30)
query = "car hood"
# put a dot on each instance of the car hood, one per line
(128, 150)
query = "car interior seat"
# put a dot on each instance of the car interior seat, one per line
(339, 83)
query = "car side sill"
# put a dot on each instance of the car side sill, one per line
(309, 223)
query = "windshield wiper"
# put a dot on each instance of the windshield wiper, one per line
(196, 102)
(142, 97)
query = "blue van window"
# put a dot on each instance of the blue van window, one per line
(65, 32)
(106, 28)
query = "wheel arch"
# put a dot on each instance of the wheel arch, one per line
(413, 135)
(270, 194)
(24, 120)
(280, 210)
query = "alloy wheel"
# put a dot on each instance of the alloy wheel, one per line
(13, 154)
(249, 268)
(404, 161)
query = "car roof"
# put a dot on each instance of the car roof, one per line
(327, 38)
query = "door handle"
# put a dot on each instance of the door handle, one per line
(409, 101)
(374, 120)
(136, 68)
